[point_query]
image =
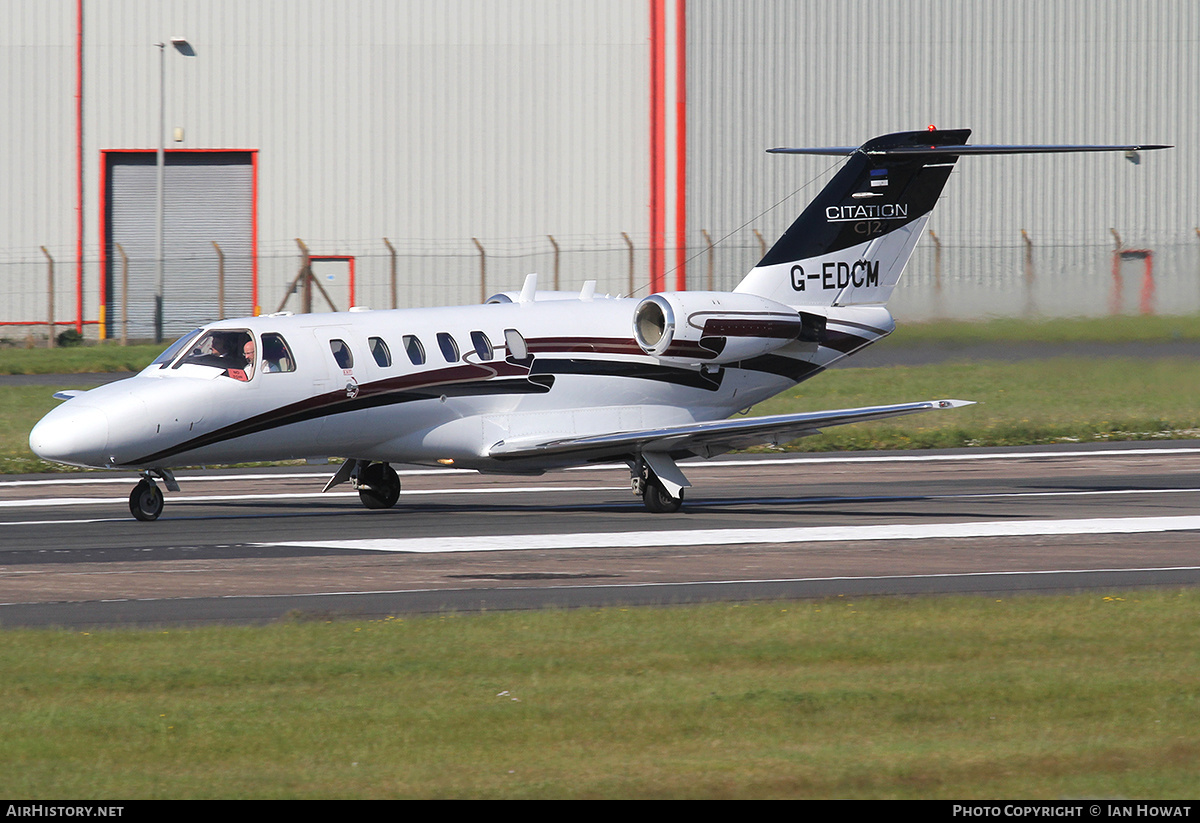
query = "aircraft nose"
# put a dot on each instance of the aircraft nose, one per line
(75, 434)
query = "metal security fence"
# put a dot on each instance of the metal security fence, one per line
(41, 294)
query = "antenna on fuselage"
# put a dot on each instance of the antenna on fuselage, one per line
(529, 290)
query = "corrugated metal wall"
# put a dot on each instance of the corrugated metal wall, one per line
(37, 161)
(426, 123)
(803, 72)
(435, 123)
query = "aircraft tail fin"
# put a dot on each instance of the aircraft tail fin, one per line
(851, 244)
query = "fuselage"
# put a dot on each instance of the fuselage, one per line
(439, 386)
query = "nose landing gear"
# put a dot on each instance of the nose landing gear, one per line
(146, 500)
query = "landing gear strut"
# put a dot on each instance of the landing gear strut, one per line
(378, 486)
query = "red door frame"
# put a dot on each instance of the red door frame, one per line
(104, 153)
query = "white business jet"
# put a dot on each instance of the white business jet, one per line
(535, 380)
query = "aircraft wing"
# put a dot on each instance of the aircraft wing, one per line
(709, 438)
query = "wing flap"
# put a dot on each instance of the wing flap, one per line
(708, 438)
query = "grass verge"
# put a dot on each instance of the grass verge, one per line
(954, 697)
(1112, 329)
(108, 357)
(78, 360)
(1022, 403)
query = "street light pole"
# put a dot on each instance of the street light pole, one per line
(160, 159)
(185, 48)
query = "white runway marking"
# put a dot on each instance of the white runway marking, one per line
(728, 537)
(128, 478)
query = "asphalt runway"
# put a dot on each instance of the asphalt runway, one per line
(260, 545)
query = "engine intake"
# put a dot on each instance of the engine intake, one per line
(713, 327)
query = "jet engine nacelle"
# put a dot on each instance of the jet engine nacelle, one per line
(713, 327)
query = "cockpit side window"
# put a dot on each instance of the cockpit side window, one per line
(276, 356)
(164, 359)
(230, 349)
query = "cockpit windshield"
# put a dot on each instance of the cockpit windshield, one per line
(228, 349)
(164, 359)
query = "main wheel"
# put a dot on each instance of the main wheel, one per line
(146, 501)
(658, 499)
(378, 486)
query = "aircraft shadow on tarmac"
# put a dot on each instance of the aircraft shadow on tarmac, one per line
(825, 506)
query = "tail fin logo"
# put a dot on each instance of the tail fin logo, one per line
(866, 211)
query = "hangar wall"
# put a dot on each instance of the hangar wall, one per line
(425, 123)
(802, 72)
(442, 125)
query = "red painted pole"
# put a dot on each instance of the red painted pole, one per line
(658, 178)
(680, 145)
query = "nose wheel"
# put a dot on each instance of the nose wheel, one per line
(146, 500)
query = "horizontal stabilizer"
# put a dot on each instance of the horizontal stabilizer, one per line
(918, 151)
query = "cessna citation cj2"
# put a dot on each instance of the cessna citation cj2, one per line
(534, 380)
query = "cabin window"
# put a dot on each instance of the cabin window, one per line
(517, 348)
(380, 351)
(448, 346)
(231, 350)
(276, 356)
(341, 353)
(414, 349)
(483, 346)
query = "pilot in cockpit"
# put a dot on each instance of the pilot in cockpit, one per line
(232, 351)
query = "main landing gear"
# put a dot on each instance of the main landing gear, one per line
(659, 482)
(657, 499)
(377, 484)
